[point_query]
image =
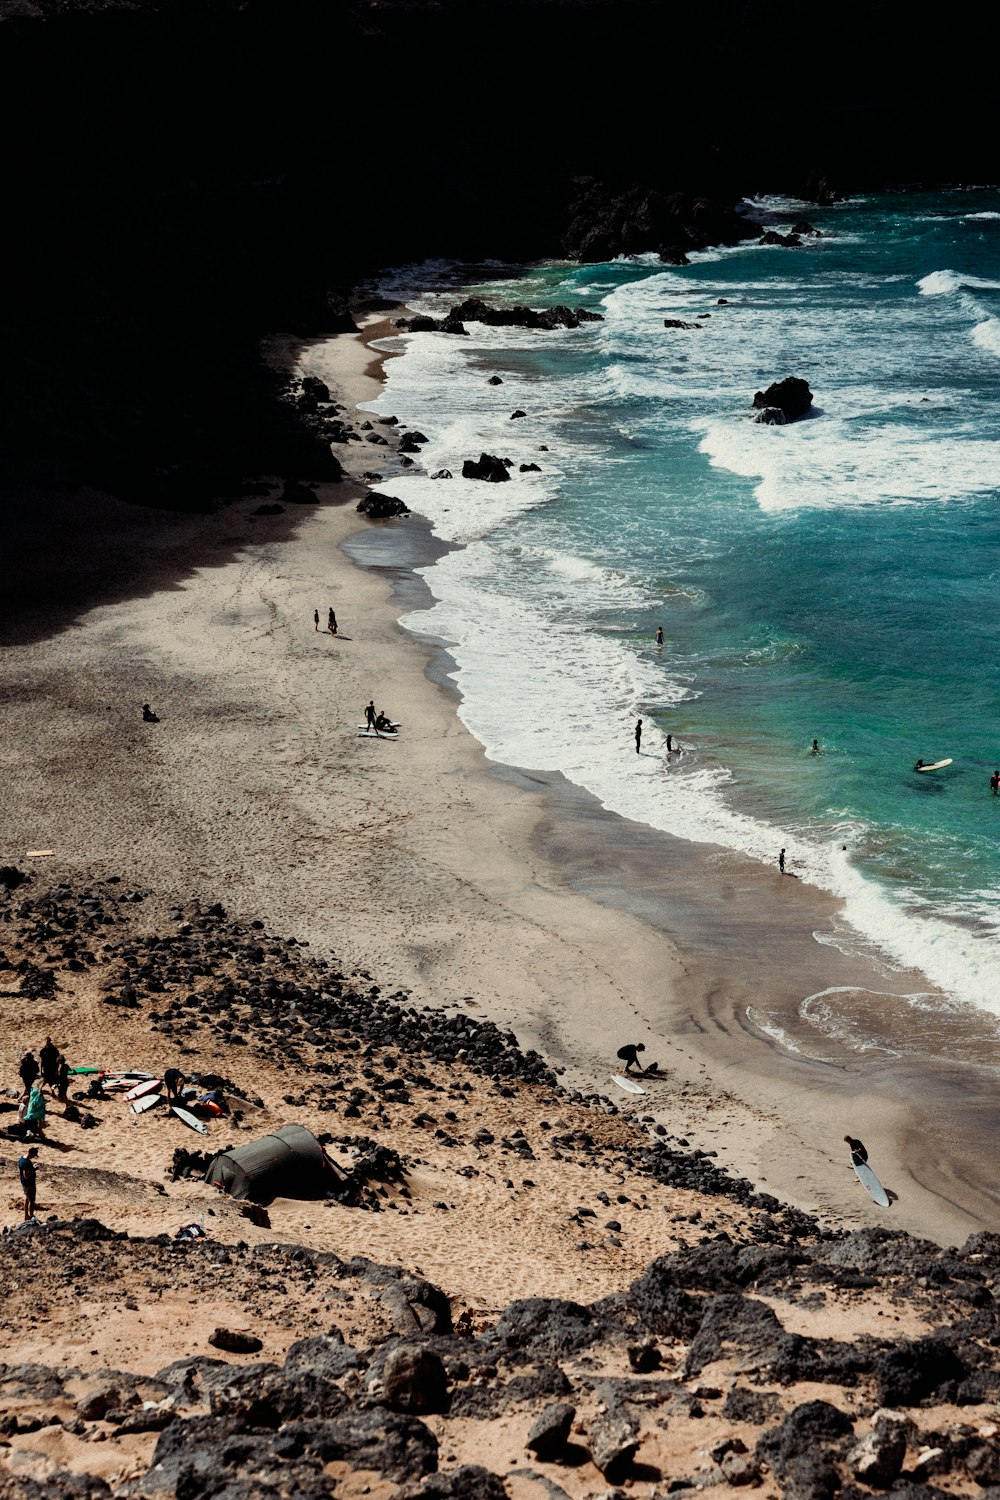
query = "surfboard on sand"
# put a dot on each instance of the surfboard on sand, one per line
(938, 765)
(377, 734)
(871, 1184)
(395, 724)
(146, 1087)
(148, 1101)
(189, 1119)
(627, 1084)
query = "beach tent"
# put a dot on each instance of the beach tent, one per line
(288, 1164)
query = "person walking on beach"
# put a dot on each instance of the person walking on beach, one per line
(28, 1071)
(370, 714)
(331, 622)
(316, 618)
(62, 1079)
(781, 861)
(26, 1172)
(629, 1055)
(995, 782)
(638, 735)
(48, 1056)
(659, 635)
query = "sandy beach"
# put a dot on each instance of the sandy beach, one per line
(509, 894)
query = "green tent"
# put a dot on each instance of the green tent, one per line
(291, 1163)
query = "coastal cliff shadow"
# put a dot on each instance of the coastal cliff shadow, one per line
(69, 550)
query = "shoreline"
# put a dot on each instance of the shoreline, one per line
(733, 898)
(505, 893)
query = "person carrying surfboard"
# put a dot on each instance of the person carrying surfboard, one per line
(859, 1156)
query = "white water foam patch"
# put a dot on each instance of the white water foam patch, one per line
(830, 463)
(986, 335)
(944, 283)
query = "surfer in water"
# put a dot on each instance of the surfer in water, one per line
(995, 782)
(815, 748)
(659, 635)
(638, 735)
(781, 861)
(919, 765)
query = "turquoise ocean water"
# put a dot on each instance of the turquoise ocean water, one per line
(835, 578)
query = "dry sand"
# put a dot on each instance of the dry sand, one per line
(513, 895)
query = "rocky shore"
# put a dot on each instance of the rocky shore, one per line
(720, 1339)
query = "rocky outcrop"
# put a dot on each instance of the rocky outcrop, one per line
(379, 507)
(791, 396)
(475, 310)
(606, 222)
(487, 467)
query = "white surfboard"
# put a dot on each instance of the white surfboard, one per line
(377, 734)
(148, 1101)
(396, 724)
(871, 1184)
(627, 1084)
(938, 765)
(146, 1087)
(189, 1119)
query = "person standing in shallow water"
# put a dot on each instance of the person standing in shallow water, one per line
(815, 748)
(781, 861)
(638, 735)
(659, 635)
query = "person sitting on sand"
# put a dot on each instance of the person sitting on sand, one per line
(148, 715)
(629, 1055)
(173, 1082)
(859, 1155)
(95, 1088)
(26, 1172)
(383, 721)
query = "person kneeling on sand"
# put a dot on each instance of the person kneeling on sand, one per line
(148, 715)
(26, 1172)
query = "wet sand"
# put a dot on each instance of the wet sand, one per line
(493, 888)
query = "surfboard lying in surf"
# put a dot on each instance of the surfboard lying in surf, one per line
(627, 1084)
(938, 765)
(871, 1184)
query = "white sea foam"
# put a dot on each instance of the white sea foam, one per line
(986, 335)
(943, 283)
